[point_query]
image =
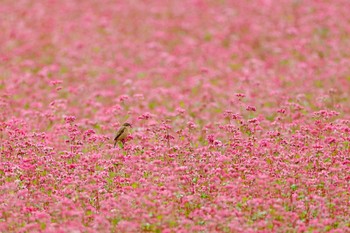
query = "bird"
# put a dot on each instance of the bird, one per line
(122, 133)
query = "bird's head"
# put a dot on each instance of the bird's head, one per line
(127, 125)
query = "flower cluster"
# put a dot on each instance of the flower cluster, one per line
(240, 114)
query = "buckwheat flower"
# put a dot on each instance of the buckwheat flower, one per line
(217, 143)
(253, 121)
(89, 132)
(127, 82)
(204, 70)
(47, 150)
(191, 125)
(55, 82)
(330, 140)
(122, 98)
(236, 116)
(211, 138)
(240, 95)
(251, 108)
(180, 110)
(182, 168)
(139, 97)
(228, 113)
(282, 111)
(145, 116)
(69, 119)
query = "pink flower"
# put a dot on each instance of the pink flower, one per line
(190, 74)
(69, 119)
(251, 108)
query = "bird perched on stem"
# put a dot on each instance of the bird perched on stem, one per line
(122, 133)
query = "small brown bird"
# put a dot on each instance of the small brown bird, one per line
(122, 133)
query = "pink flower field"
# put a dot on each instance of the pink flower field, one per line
(240, 112)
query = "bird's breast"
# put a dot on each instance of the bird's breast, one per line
(124, 134)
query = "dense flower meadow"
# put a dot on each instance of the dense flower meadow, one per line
(240, 113)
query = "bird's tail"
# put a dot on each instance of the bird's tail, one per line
(115, 143)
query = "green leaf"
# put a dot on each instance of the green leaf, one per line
(294, 187)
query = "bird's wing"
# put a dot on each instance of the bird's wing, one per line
(119, 132)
